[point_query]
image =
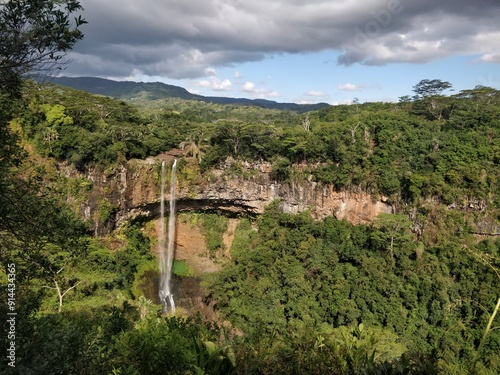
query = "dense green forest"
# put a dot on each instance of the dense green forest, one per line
(403, 150)
(413, 292)
(410, 293)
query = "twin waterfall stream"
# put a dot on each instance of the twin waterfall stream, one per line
(166, 254)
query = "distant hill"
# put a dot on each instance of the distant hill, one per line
(124, 89)
(129, 90)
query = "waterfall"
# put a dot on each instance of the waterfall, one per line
(166, 260)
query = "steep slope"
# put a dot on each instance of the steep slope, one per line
(131, 191)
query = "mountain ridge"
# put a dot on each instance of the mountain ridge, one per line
(130, 90)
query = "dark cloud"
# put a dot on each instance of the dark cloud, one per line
(182, 38)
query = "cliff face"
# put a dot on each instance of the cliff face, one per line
(133, 190)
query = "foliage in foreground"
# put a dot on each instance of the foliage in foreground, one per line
(113, 341)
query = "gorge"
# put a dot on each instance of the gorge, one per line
(392, 226)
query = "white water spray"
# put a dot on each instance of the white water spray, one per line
(166, 260)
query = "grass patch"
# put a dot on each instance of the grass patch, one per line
(180, 268)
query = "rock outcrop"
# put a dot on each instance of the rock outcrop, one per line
(133, 190)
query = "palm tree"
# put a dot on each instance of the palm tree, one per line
(194, 146)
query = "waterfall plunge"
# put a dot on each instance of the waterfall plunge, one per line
(166, 260)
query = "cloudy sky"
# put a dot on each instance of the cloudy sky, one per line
(292, 50)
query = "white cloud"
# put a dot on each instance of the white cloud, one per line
(213, 83)
(490, 58)
(202, 83)
(248, 87)
(357, 87)
(221, 85)
(317, 94)
(210, 71)
(348, 87)
(257, 92)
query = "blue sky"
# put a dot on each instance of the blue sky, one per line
(292, 50)
(316, 77)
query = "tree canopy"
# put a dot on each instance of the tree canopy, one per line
(35, 36)
(428, 87)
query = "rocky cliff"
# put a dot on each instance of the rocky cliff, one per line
(132, 190)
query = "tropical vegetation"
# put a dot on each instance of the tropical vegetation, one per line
(413, 292)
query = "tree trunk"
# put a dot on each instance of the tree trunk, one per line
(60, 296)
